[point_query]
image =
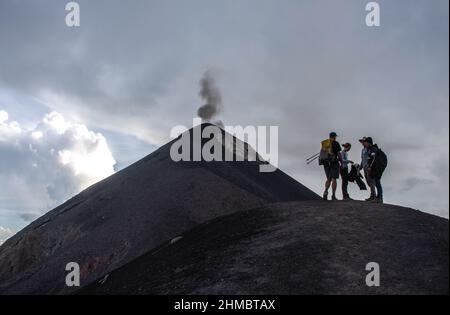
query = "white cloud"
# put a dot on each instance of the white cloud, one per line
(3, 116)
(286, 64)
(43, 166)
(5, 233)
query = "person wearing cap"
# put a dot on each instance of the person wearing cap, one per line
(375, 173)
(344, 169)
(332, 167)
(367, 143)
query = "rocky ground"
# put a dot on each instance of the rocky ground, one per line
(120, 230)
(295, 248)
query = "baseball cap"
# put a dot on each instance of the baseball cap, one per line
(366, 139)
(333, 134)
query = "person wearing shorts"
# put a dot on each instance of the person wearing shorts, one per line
(332, 168)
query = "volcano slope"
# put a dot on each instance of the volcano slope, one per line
(131, 213)
(295, 248)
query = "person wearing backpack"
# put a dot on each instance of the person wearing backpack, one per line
(330, 158)
(367, 142)
(377, 165)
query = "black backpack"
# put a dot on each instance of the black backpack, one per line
(381, 161)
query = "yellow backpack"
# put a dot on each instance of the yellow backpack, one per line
(326, 154)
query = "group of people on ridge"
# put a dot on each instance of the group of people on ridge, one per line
(335, 161)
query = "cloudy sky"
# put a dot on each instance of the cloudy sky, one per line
(78, 104)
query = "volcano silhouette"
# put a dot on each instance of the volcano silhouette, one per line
(165, 227)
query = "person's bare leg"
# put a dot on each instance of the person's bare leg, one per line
(327, 187)
(334, 186)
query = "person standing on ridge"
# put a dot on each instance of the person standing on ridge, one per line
(344, 170)
(365, 154)
(330, 158)
(377, 165)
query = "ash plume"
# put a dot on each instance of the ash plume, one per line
(212, 97)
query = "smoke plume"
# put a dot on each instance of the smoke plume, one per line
(212, 97)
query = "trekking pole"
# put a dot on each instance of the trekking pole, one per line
(312, 160)
(315, 156)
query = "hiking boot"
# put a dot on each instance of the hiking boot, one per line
(347, 197)
(333, 198)
(325, 196)
(371, 198)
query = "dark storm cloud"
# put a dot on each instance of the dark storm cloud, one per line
(307, 66)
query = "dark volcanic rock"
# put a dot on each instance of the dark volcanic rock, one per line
(160, 227)
(295, 248)
(129, 214)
